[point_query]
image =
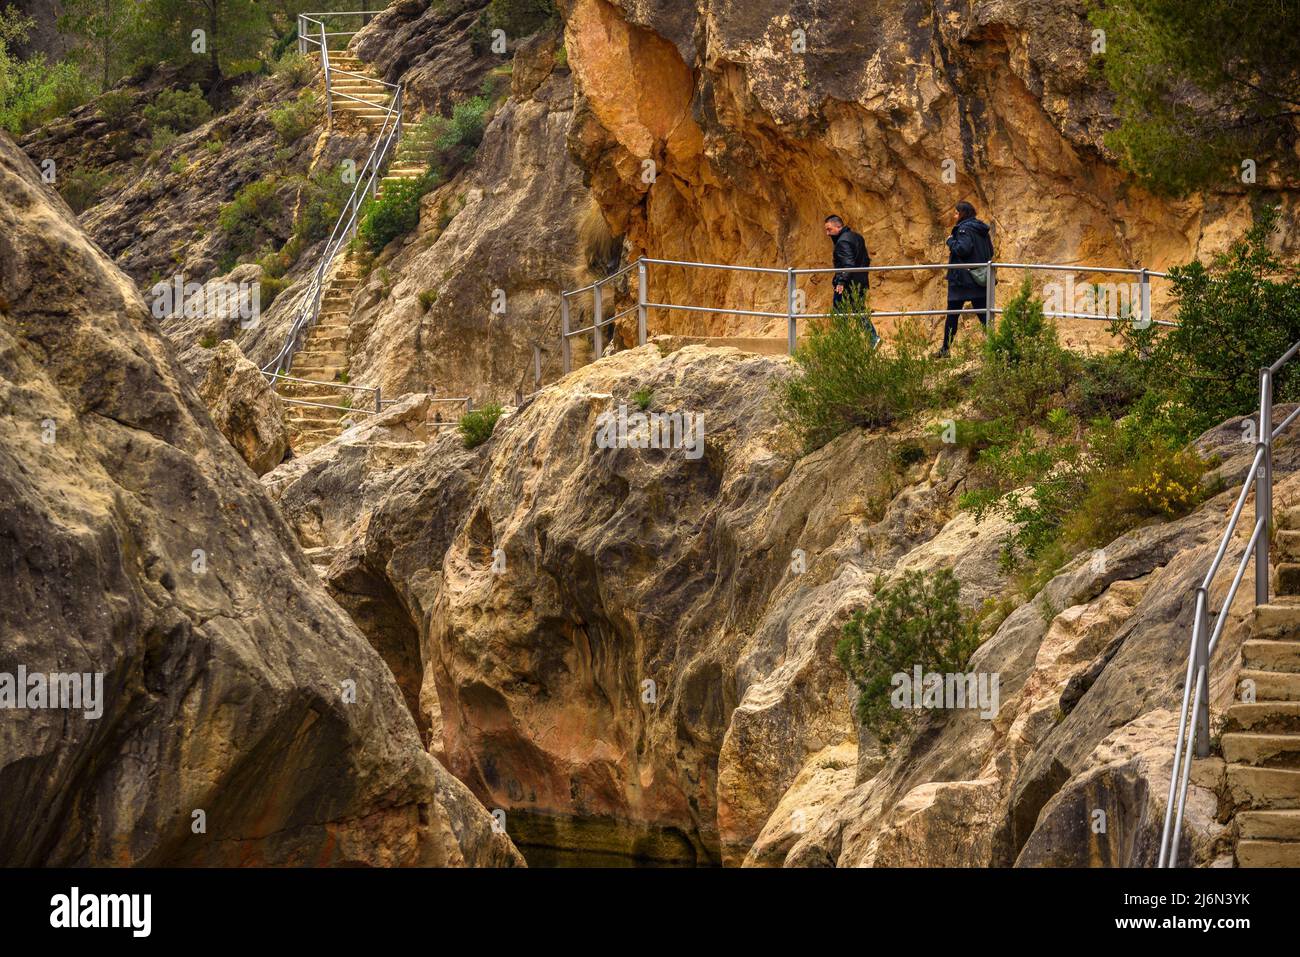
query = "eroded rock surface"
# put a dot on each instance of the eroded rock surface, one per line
(245, 408)
(134, 544)
(892, 114)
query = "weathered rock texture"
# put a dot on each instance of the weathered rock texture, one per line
(753, 144)
(134, 544)
(245, 408)
(623, 567)
(617, 646)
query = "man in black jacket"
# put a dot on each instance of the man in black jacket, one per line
(850, 252)
(970, 242)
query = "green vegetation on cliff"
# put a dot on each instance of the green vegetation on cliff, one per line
(1073, 450)
(914, 620)
(1201, 85)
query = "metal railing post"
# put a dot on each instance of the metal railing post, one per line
(791, 323)
(302, 41)
(379, 400)
(325, 68)
(1145, 299)
(991, 300)
(1264, 486)
(640, 302)
(1202, 672)
(537, 367)
(599, 339)
(566, 355)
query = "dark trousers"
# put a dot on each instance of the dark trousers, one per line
(956, 301)
(860, 292)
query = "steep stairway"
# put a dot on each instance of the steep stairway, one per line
(1261, 740)
(323, 359)
(355, 96)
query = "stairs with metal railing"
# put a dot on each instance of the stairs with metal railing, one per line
(1261, 739)
(312, 369)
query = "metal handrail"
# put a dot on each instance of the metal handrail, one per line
(1194, 715)
(792, 315)
(345, 225)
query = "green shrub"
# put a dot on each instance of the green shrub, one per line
(1025, 370)
(521, 18)
(271, 287)
(913, 620)
(476, 427)
(33, 91)
(180, 110)
(180, 164)
(465, 128)
(395, 213)
(841, 381)
(295, 68)
(642, 397)
(1236, 316)
(324, 194)
(428, 298)
(250, 216)
(115, 106)
(161, 138)
(81, 188)
(1106, 385)
(293, 121)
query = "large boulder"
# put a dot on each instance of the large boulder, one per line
(634, 647)
(242, 719)
(245, 408)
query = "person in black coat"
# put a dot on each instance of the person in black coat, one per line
(850, 252)
(970, 242)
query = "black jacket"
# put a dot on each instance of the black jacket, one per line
(970, 242)
(850, 251)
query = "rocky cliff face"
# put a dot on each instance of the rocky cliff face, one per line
(630, 650)
(244, 720)
(888, 114)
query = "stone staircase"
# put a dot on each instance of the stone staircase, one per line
(324, 356)
(1261, 740)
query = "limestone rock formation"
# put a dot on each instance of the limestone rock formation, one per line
(136, 546)
(245, 408)
(626, 566)
(891, 114)
(630, 650)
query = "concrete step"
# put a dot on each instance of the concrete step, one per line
(1264, 789)
(325, 373)
(325, 397)
(1288, 578)
(1271, 655)
(1268, 854)
(334, 340)
(1286, 546)
(320, 556)
(1272, 685)
(759, 346)
(369, 96)
(1262, 750)
(1268, 825)
(308, 417)
(1264, 717)
(1279, 620)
